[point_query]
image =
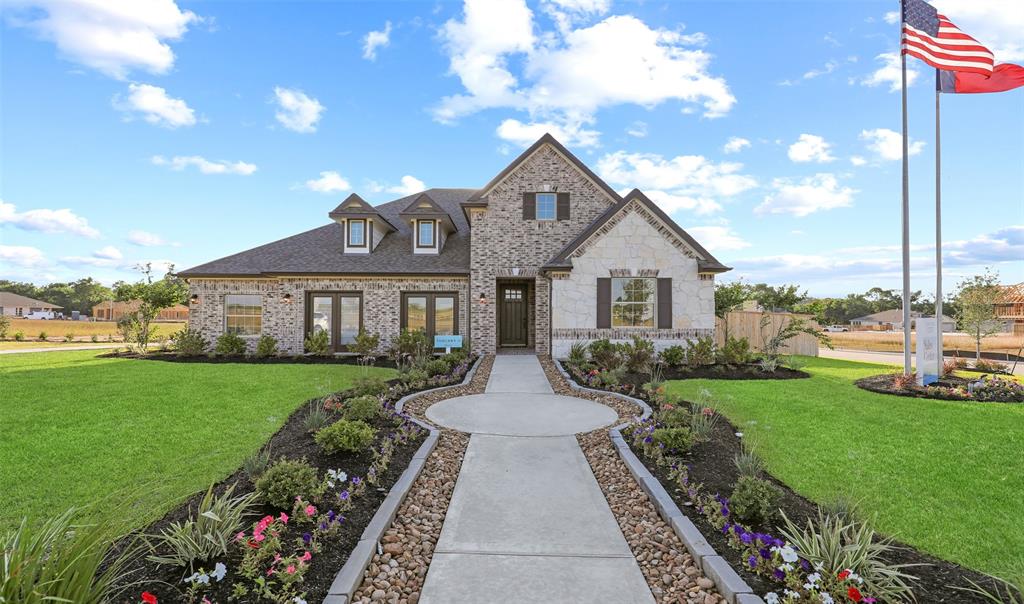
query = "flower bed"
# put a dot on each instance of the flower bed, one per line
(302, 520)
(987, 388)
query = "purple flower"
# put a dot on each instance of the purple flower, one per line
(779, 574)
(355, 481)
(725, 529)
(323, 526)
(343, 495)
(752, 561)
(765, 553)
(746, 537)
(330, 515)
(306, 538)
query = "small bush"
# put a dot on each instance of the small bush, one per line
(42, 336)
(735, 351)
(755, 500)
(638, 355)
(69, 336)
(701, 351)
(266, 346)
(189, 342)
(256, 464)
(19, 336)
(577, 355)
(230, 344)
(768, 364)
(5, 324)
(677, 440)
(454, 358)
(409, 346)
(316, 417)
(674, 415)
(318, 344)
(904, 381)
(413, 376)
(605, 354)
(344, 435)
(362, 408)
(287, 479)
(207, 534)
(989, 366)
(611, 377)
(436, 367)
(366, 345)
(368, 385)
(673, 356)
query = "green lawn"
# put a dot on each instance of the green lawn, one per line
(76, 429)
(946, 477)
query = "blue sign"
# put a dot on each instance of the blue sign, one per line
(447, 341)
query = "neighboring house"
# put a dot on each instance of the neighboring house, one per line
(892, 320)
(16, 305)
(1010, 308)
(113, 311)
(544, 255)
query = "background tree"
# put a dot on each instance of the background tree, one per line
(730, 296)
(80, 295)
(782, 298)
(153, 296)
(975, 303)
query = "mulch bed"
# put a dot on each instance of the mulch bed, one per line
(884, 384)
(746, 371)
(299, 359)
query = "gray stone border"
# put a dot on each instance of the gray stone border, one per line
(350, 577)
(728, 582)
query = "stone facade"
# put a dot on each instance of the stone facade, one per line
(285, 321)
(503, 243)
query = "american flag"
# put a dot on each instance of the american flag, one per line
(934, 39)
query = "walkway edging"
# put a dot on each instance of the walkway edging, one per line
(350, 577)
(629, 399)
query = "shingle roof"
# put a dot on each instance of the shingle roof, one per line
(11, 299)
(319, 251)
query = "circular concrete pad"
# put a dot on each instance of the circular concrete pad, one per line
(521, 414)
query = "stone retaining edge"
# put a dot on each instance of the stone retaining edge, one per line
(629, 399)
(350, 577)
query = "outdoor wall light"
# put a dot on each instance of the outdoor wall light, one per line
(194, 299)
(483, 298)
(287, 298)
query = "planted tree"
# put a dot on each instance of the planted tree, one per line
(152, 295)
(976, 298)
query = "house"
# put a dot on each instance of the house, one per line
(892, 320)
(1010, 308)
(16, 305)
(110, 310)
(544, 255)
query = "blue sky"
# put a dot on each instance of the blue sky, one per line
(183, 132)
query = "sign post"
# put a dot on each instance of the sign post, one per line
(929, 353)
(447, 342)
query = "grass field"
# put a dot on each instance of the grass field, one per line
(76, 429)
(82, 330)
(884, 341)
(946, 477)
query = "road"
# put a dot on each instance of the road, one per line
(890, 358)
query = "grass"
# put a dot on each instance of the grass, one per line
(884, 341)
(83, 330)
(136, 435)
(946, 477)
(30, 344)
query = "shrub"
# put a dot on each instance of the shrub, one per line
(454, 358)
(410, 346)
(755, 500)
(94, 338)
(256, 464)
(436, 367)
(230, 344)
(207, 534)
(989, 366)
(748, 463)
(674, 416)
(673, 356)
(69, 336)
(605, 354)
(362, 408)
(638, 355)
(768, 364)
(189, 342)
(704, 416)
(678, 440)
(42, 336)
(287, 479)
(345, 435)
(611, 377)
(413, 376)
(794, 362)
(316, 417)
(266, 346)
(5, 324)
(735, 351)
(904, 381)
(19, 336)
(365, 345)
(577, 355)
(368, 385)
(701, 351)
(318, 344)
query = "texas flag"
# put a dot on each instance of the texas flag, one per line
(1005, 76)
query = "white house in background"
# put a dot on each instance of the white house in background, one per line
(893, 320)
(16, 305)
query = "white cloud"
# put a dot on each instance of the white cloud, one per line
(407, 186)
(111, 36)
(329, 182)
(146, 239)
(857, 160)
(888, 144)
(46, 221)
(718, 238)
(572, 134)
(810, 148)
(637, 129)
(155, 106)
(204, 165)
(995, 23)
(565, 77)
(22, 255)
(890, 72)
(828, 68)
(109, 252)
(106, 257)
(690, 182)
(892, 17)
(296, 110)
(735, 144)
(806, 196)
(375, 40)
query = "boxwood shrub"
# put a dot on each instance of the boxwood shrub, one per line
(345, 435)
(285, 480)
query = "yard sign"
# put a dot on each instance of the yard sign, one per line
(447, 342)
(928, 351)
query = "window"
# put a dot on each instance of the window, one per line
(356, 233)
(436, 314)
(634, 302)
(243, 314)
(546, 206)
(425, 233)
(339, 315)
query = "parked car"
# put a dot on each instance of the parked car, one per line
(40, 315)
(836, 328)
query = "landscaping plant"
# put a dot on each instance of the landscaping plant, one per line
(363, 408)
(69, 336)
(42, 336)
(5, 325)
(673, 356)
(316, 417)
(410, 347)
(436, 367)
(366, 346)
(230, 344)
(287, 479)
(988, 366)
(755, 500)
(975, 300)
(704, 416)
(266, 346)
(638, 355)
(257, 463)
(700, 351)
(318, 344)
(735, 351)
(19, 336)
(748, 463)
(345, 435)
(152, 296)
(605, 354)
(674, 415)
(675, 441)
(577, 355)
(369, 385)
(208, 533)
(189, 342)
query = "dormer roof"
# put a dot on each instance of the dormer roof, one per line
(355, 206)
(423, 206)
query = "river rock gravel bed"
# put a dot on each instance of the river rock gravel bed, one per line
(627, 411)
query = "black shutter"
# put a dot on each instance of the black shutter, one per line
(664, 303)
(529, 206)
(604, 303)
(563, 206)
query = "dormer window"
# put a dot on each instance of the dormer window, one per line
(546, 206)
(425, 233)
(356, 232)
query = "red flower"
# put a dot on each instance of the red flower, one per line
(843, 575)
(854, 594)
(148, 598)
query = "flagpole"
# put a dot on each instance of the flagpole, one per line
(906, 206)
(938, 225)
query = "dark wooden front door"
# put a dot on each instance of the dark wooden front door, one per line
(512, 319)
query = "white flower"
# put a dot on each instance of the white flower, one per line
(298, 600)
(819, 566)
(204, 579)
(787, 552)
(827, 599)
(792, 595)
(739, 434)
(786, 567)
(771, 598)
(219, 571)
(192, 578)
(812, 580)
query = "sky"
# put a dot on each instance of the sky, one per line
(180, 132)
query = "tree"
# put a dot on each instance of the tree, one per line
(780, 298)
(152, 296)
(730, 296)
(975, 303)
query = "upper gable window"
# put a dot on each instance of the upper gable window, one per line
(547, 204)
(356, 233)
(425, 233)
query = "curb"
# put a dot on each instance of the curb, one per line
(350, 577)
(629, 399)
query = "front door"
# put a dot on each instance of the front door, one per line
(512, 315)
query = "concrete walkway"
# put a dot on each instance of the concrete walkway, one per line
(527, 521)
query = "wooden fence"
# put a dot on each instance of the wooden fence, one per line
(747, 324)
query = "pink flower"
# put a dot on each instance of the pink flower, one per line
(277, 558)
(284, 518)
(259, 537)
(240, 536)
(310, 510)
(270, 571)
(290, 570)
(306, 557)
